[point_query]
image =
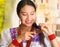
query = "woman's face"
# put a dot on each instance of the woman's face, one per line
(27, 15)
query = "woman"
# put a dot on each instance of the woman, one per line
(28, 34)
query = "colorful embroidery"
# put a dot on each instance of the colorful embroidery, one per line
(13, 33)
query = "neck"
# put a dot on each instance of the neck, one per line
(25, 28)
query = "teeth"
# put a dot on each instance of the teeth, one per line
(28, 21)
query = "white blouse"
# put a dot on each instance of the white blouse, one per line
(6, 40)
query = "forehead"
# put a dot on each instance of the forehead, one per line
(28, 8)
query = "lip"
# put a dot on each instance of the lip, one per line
(28, 22)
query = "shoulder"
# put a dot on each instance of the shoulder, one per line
(6, 34)
(6, 31)
(6, 37)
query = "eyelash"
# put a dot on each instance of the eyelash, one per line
(32, 14)
(26, 14)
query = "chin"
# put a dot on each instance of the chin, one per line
(28, 25)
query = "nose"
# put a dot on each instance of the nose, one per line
(28, 17)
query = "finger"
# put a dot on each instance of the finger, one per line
(44, 29)
(31, 35)
(47, 31)
(44, 25)
(28, 38)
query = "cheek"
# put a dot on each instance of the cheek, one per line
(23, 19)
(34, 18)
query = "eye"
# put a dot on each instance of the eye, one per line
(32, 13)
(24, 14)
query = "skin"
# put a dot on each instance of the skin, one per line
(27, 16)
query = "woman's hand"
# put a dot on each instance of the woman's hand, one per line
(47, 28)
(25, 36)
(28, 35)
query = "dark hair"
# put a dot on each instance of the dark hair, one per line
(41, 35)
(20, 5)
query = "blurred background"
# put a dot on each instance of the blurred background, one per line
(47, 11)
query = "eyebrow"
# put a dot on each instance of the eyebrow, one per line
(25, 12)
(22, 12)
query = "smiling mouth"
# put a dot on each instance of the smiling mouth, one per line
(28, 22)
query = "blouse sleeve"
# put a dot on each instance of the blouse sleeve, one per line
(6, 38)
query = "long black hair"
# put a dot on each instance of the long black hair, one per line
(20, 5)
(41, 35)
